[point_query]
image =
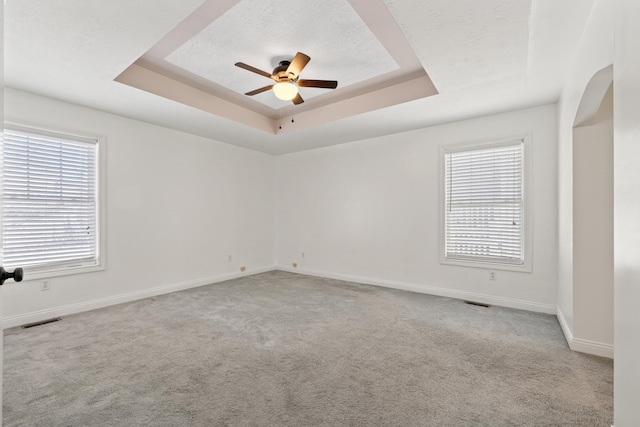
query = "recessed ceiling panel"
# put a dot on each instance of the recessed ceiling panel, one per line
(263, 33)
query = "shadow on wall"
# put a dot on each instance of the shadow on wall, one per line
(592, 287)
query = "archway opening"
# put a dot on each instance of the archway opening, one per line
(593, 290)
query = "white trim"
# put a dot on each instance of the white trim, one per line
(576, 344)
(101, 190)
(592, 347)
(65, 310)
(527, 165)
(62, 271)
(580, 345)
(568, 335)
(53, 132)
(431, 290)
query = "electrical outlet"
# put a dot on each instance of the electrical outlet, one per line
(45, 285)
(295, 264)
(492, 275)
(243, 268)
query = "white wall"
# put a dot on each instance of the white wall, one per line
(369, 211)
(176, 206)
(627, 214)
(610, 21)
(593, 228)
(595, 53)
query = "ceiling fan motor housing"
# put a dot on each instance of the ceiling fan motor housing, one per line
(280, 72)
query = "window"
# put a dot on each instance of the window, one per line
(50, 203)
(484, 212)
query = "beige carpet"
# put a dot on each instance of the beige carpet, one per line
(279, 349)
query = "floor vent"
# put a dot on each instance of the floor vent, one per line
(480, 304)
(44, 322)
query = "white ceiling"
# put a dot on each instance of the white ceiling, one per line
(376, 68)
(482, 56)
(240, 33)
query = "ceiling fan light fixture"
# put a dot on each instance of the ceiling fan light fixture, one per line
(286, 77)
(285, 90)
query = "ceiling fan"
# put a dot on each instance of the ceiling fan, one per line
(286, 79)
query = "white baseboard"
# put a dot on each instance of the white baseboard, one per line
(65, 310)
(581, 345)
(576, 344)
(566, 330)
(431, 290)
(592, 347)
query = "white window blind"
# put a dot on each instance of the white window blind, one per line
(484, 204)
(49, 200)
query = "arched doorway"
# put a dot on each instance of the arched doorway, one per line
(593, 290)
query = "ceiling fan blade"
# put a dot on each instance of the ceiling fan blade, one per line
(324, 84)
(253, 69)
(298, 99)
(257, 91)
(299, 62)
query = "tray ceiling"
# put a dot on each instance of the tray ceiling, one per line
(484, 57)
(367, 54)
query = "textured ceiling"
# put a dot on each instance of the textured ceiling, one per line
(349, 52)
(484, 57)
(461, 59)
(356, 42)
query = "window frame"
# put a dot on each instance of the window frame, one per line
(527, 233)
(70, 268)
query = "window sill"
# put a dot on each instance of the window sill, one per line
(487, 265)
(38, 274)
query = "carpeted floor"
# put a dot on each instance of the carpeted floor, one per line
(280, 349)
